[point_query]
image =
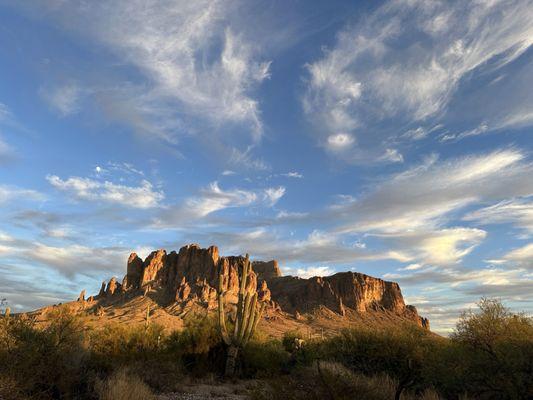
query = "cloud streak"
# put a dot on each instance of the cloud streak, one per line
(86, 189)
(404, 62)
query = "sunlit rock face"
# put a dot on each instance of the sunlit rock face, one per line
(192, 274)
(357, 291)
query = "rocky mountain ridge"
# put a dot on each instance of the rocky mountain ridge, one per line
(190, 277)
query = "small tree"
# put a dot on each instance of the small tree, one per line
(499, 345)
(248, 316)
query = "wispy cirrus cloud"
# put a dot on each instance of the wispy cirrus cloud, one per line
(520, 256)
(213, 198)
(518, 212)
(424, 195)
(9, 193)
(65, 99)
(404, 62)
(198, 65)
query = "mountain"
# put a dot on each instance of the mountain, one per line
(172, 286)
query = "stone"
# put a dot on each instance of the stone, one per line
(192, 275)
(112, 287)
(266, 269)
(264, 294)
(153, 267)
(81, 297)
(183, 291)
(102, 289)
(134, 272)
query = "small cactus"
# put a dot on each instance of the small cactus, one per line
(7, 312)
(248, 316)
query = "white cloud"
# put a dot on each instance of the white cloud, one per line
(518, 212)
(411, 267)
(318, 247)
(424, 195)
(9, 193)
(272, 195)
(339, 141)
(441, 247)
(285, 215)
(143, 196)
(293, 174)
(405, 61)
(309, 272)
(64, 99)
(521, 256)
(213, 198)
(194, 55)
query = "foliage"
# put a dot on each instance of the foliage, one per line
(264, 358)
(497, 350)
(489, 356)
(123, 385)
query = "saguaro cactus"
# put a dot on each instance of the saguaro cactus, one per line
(248, 316)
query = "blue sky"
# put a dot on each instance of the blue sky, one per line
(391, 138)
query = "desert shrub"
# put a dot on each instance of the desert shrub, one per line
(264, 358)
(43, 363)
(290, 340)
(398, 352)
(123, 385)
(198, 346)
(117, 344)
(496, 351)
(332, 381)
(10, 388)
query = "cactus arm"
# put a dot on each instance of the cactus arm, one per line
(257, 318)
(251, 321)
(222, 312)
(240, 303)
(246, 316)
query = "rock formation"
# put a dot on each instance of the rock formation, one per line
(192, 274)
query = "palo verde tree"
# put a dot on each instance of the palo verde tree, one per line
(248, 316)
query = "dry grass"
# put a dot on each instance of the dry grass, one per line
(123, 386)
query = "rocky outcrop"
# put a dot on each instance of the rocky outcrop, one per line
(266, 269)
(134, 272)
(357, 291)
(153, 267)
(192, 274)
(112, 287)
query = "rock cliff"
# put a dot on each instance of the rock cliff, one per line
(191, 276)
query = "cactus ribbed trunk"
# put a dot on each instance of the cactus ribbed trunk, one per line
(231, 360)
(247, 318)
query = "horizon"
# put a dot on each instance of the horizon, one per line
(390, 138)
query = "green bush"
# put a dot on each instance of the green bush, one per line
(496, 351)
(198, 346)
(489, 356)
(43, 363)
(261, 359)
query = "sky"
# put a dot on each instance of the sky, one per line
(391, 138)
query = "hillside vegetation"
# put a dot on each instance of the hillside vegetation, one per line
(489, 356)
